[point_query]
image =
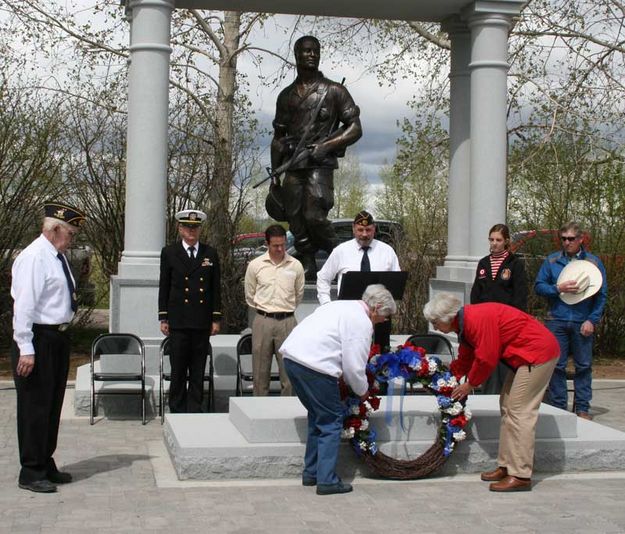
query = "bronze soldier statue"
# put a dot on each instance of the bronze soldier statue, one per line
(316, 119)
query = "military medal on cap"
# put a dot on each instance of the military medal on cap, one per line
(364, 218)
(191, 217)
(65, 213)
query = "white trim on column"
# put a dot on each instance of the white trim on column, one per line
(504, 7)
(151, 46)
(494, 64)
(169, 4)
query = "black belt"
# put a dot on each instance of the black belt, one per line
(57, 327)
(277, 315)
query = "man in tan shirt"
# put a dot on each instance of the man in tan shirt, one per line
(274, 286)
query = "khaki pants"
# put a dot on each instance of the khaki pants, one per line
(520, 400)
(267, 336)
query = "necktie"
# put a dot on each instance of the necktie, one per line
(365, 266)
(70, 282)
(192, 252)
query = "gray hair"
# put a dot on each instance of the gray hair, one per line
(50, 223)
(378, 295)
(442, 307)
(571, 226)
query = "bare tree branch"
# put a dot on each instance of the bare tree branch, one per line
(426, 34)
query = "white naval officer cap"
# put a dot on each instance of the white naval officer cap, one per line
(190, 217)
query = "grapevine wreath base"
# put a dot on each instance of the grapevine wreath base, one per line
(411, 365)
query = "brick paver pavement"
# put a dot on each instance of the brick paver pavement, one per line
(124, 483)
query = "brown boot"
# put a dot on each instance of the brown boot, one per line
(511, 483)
(496, 475)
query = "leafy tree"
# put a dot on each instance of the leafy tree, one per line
(212, 127)
(351, 188)
(31, 159)
(567, 177)
(414, 193)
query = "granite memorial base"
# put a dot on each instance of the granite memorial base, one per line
(265, 438)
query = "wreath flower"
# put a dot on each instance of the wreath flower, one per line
(408, 363)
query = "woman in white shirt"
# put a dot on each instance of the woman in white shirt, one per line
(331, 343)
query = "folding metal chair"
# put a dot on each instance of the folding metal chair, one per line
(117, 358)
(164, 373)
(434, 344)
(245, 369)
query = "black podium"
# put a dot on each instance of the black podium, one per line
(354, 283)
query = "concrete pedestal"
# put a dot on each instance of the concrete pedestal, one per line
(265, 438)
(454, 279)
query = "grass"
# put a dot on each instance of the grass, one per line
(81, 339)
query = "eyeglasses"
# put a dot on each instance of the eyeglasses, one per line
(568, 238)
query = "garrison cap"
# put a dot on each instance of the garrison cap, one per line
(364, 218)
(65, 213)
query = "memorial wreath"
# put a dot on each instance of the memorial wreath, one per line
(409, 364)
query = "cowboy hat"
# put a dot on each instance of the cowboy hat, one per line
(586, 275)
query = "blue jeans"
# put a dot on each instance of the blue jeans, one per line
(571, 342)
(319, 393)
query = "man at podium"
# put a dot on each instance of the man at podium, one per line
(364, 253)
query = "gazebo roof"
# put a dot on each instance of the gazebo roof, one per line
(423, 10)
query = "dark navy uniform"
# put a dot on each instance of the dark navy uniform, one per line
(189, 299)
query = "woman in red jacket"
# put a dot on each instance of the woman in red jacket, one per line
(489, 333)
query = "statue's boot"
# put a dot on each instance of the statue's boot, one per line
(310, 267)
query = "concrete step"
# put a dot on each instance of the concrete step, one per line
(259, 422)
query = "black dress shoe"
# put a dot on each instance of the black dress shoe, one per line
(38, 486)
(59, 477)
(330, 489)
(309, 481)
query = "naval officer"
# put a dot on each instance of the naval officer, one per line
(189, 309)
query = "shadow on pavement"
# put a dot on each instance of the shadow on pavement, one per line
(101, 464)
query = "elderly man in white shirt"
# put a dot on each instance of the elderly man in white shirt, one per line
(44, 294)
(363, 253)
(331, 343)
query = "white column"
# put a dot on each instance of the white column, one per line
(148, 103)
(489, 71)
(134, 290)
(478, 137)
(458, 209)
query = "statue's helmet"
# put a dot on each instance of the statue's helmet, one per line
(274, 203)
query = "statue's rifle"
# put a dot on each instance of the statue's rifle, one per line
(301, 151)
